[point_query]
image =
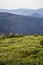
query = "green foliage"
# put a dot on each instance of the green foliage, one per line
(26, 50)
(18, 35)
(2, 36)
(36, 34)
(41, 34)
(2, 63)
(41, 41)
(11, 35)
(21, 35)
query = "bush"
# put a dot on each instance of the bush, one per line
(41, 41)
(21, 35)
(17, 35)
(36, 34)
(2, 36)
(2, 63)
(30, 52)
(11, 35)
(41, 34)
(35, 51)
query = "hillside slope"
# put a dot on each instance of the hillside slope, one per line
(20, 24)
(21, 51)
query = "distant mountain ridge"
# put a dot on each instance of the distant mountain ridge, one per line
(25, 25)
(36, 15)
(25, 12)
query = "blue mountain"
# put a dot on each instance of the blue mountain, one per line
(25, 25)
(36, 15)
(25, 12)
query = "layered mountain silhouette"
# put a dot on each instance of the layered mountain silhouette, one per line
(25, 25)
(36, 15)
(25, 12)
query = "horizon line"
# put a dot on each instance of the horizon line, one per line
(21, 8)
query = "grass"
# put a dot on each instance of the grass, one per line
(26, 50)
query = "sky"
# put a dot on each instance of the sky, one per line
(15, 4)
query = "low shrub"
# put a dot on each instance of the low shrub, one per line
(11, 35)
(2, 63)
(2, 36)
(36, 34)
(17, 35)
(35, 51)
(21, 35)
(30, 52)
(41, 41)
(41, 34)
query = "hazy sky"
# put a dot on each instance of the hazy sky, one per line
(15, 4)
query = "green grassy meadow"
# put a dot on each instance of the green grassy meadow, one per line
(26, 50)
